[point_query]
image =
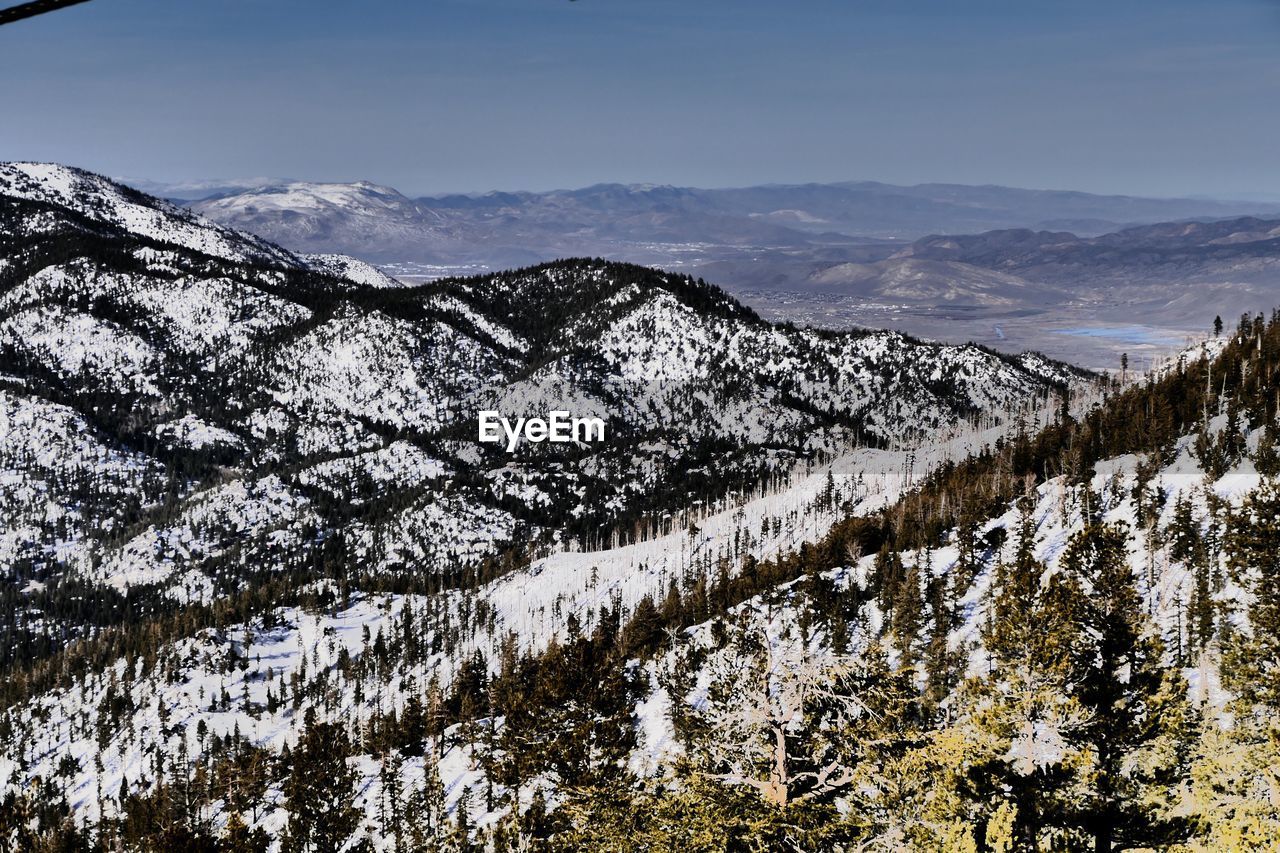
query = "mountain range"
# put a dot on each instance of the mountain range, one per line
(247, 401)
(264, 589)
(1060, 271)
(655, 224)
(1028, 268)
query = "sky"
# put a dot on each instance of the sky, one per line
(1175, 97)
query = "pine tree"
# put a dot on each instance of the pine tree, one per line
(1137, 707)
(908, 614)
(1227, 785)
(969, 550)
(1016, 628)
(319, 793)
(943, 665)
(1266, 459)
(644, 628)
(237, 837)
(1252, 664)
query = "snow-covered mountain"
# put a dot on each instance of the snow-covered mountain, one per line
(1080, 277)
(91, 198)
(396, 671)
(253, 553)
(223, 409)
(316, 217)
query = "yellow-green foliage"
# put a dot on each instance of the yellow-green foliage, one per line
(1233, 797)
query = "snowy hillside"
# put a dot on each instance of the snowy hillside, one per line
(250, 518)
(232, 681)
(118, 207)
(324, 217)
(910, 643)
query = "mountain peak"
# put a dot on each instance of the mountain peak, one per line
(106, 202)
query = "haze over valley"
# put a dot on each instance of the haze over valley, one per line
(1082, 277)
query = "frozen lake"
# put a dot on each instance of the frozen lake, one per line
(1126, 334)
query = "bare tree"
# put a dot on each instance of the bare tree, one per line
(853, 553)
(775, 713)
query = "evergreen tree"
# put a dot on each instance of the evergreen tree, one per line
(1019, 626)
(1226, 798)
(943, 665)
(237, 837)
(1252, 665)
(1139, 721)
(319, 793)
(908, 614)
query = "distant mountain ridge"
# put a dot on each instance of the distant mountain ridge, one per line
(649, 223)
(1175, 270)
(1006, 268)
(1161, 243)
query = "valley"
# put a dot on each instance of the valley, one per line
(1011, 270)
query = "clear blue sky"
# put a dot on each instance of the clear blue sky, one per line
(1161, 98)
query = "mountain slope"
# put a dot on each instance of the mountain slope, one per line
(1066, 272)
(611, 720)
(1152, 248)
(815, 589)
(272, 416)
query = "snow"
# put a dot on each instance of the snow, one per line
(105, 201)
(351, 269)
(359, 408)
(191, 432)
(535, 602)
(399, 464)
(73, 343)
(497, 333)
(301, 196)
(372, 365)
(207, 526)
(42, 445)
